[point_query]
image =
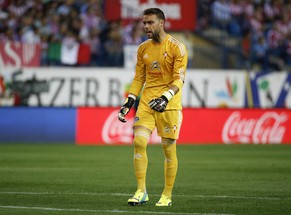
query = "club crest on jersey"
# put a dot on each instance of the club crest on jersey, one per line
(155, 65)
(175, 128)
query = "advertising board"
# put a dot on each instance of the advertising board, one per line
(200, 126)
(37, 125)
(107, 87)
(257, 126)
(100, 126)
(180, 14)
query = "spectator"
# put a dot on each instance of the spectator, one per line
(65, 8)
(95, 47)
(186, 39)
(134, 34)
(12, 21)
(257, 24)
(70, 49)
(275, 41)
(114, 48)
(54, 23)
(204, 14)
(260, 53)
(44, 50)
(221, 15)
(17, 8)
(272, 10)
(237, 18)
(248, 9)
(54, 51)
(44, 26)
(31, 35)
(287, 56)
(90, 18)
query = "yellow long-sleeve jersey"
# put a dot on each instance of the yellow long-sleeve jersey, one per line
(159, 66)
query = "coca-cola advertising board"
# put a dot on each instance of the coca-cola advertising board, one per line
(200, 126)
(257, 126)
(16, 54)
(101, 126)
(180, 14)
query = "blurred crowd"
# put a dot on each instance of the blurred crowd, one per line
(263, 25)
(67, 24)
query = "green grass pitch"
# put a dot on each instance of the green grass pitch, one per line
(212, 179)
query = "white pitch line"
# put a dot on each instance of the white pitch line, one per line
(101, 211)
(124, 194)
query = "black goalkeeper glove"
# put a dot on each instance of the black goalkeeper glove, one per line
(160, 104)
(125, 108)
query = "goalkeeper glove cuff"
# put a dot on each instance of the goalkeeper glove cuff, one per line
(129, 102)
(168, 94)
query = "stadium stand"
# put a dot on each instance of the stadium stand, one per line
(240, 34)
(253, 35)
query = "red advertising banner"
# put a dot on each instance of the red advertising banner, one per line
(200, 126)
(180, 14)
(101, 126)
(18, 54)
(257, 126)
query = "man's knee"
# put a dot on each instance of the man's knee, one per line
(141, 137)
(168, 141)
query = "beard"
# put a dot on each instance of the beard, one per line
(156, 36)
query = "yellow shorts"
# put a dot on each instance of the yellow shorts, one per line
(168, 123)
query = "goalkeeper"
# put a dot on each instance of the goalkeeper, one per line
(160, 72)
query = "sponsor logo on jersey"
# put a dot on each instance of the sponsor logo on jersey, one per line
(155, 65)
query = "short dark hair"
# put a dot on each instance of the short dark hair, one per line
(155, 11)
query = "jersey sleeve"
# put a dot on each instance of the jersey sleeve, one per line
(180, 65)
(140, 75)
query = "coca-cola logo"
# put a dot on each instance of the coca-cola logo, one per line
(114, 131)
(267, 128)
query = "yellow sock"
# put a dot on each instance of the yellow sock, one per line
(170, 167)
(140, 158)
